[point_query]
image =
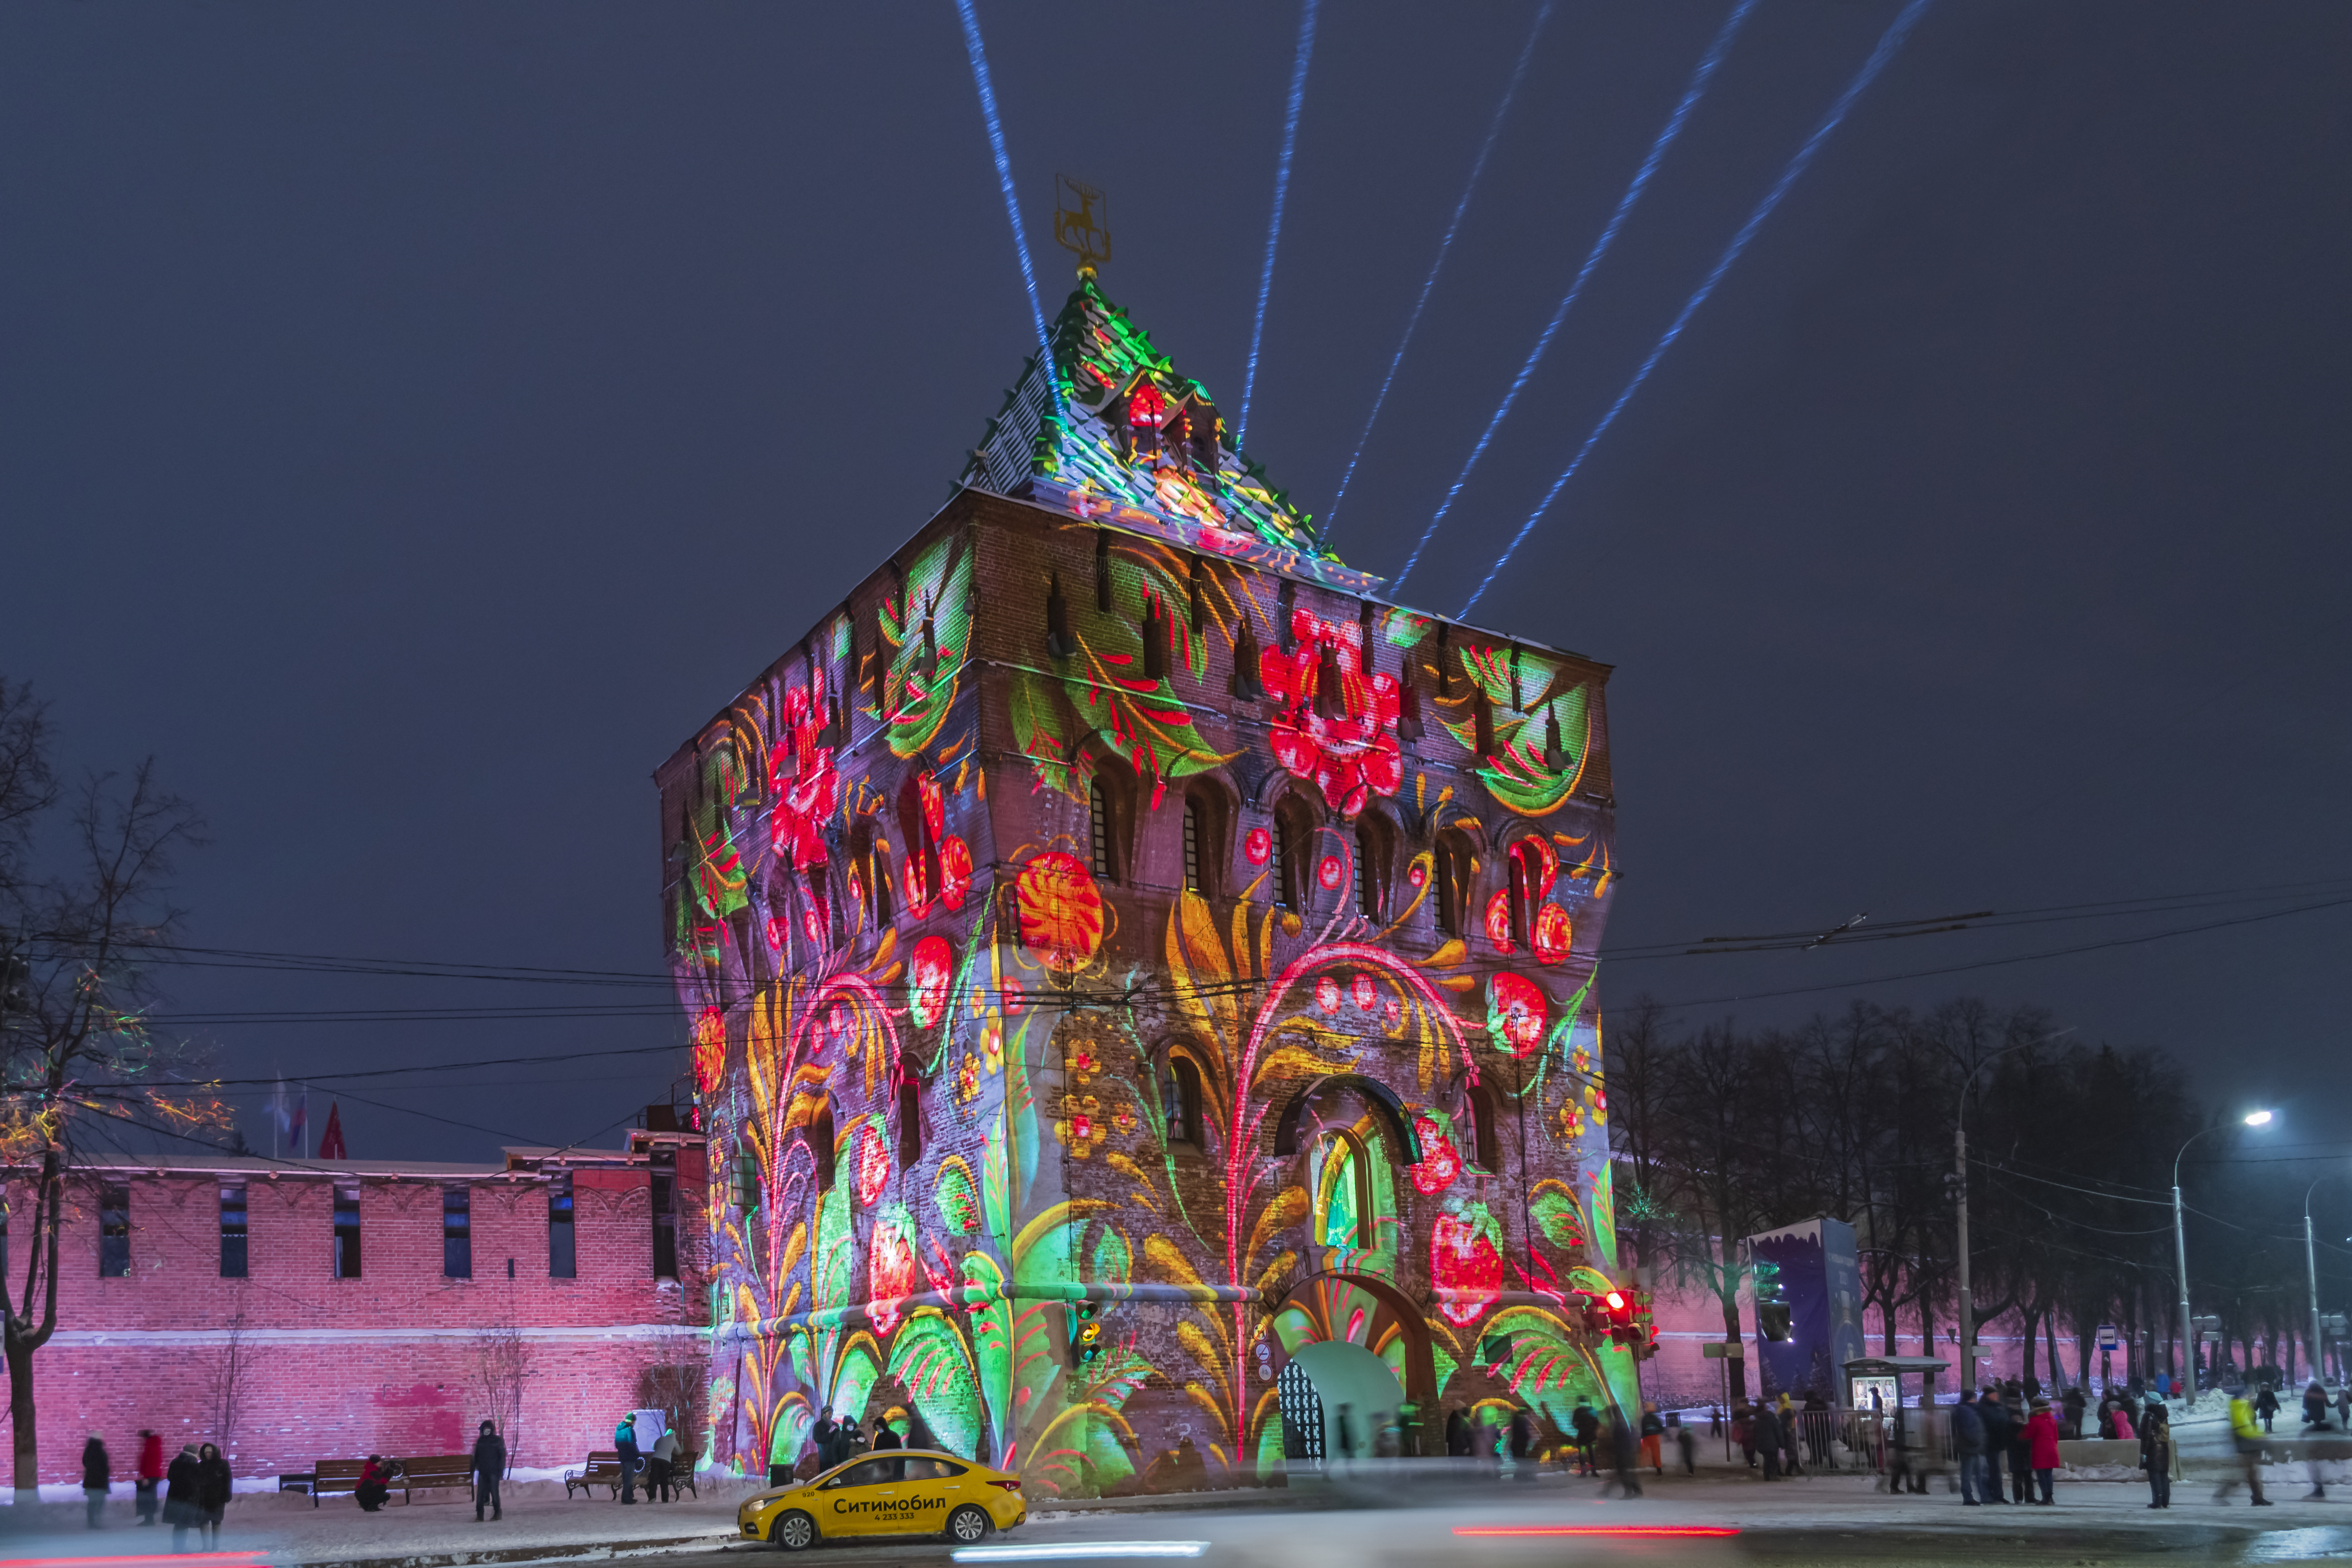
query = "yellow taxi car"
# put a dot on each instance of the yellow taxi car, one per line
(902, 1491)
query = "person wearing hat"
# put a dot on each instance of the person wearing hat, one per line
(180, 1510)
(625, 1439)
(97, 1476)
(2041, 1440)
(489, 1463)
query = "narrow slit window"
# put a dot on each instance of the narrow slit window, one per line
(911, 1124)
(114, 1231)
(235, 1232)
(1281, 861)
(347, 1230)
(664, 1163)
(456, 1233)
(563, 1245)
(1098, 831)
(1192, 849)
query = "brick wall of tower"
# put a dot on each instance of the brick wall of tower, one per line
(341, 1367)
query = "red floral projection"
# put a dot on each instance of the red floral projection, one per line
(1461, 1259)
(873, 1164)
(1349, 748)
(1516, 1013)
(1440, 1162)
(930, 972)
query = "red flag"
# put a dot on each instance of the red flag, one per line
(330, 1142)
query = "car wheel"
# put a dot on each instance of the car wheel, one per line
(968, 1526)
(795, 1532)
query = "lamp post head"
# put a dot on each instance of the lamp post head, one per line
(2257, 1119)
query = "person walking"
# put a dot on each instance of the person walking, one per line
(1623, 1474)
(1585, 1422)
(2266, 1407)
(1969, 1446)
(1457, 1434)
(1687, 1446)
(1786, 1414)
(2073, 1403)
(661, 1471)
(151, 1475)
(1995, 1416)
(625, 1439)
(1523, 1445)
(2155, 1454)
(1343, 1436)
(2246, 1436)
(213, 1485)
(2041, 1440)
(96, 1478)
(2314, 1406)
(489, 1463)
(1654, 1433)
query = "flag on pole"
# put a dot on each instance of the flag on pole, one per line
(277, 1116)
(297, 1125)
(330, 1142)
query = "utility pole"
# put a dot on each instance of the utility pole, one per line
(2181, 1271)
(1968, 1301)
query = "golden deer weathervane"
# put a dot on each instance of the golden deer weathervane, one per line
(1081, 222)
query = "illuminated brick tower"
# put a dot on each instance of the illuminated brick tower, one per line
(1143, 980)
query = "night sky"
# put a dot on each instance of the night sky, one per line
(415, 420)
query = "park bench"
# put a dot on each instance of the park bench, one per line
(340, 1477)
(437, 1470)
(603, 1469)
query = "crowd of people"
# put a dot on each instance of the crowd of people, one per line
(190, 1493)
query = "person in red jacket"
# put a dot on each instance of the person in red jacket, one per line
(150, 1474)
(2041, 1441)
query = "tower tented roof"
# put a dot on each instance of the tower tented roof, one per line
(1103, 426)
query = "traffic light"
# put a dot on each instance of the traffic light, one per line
(1772, 1304)
(1639, 1332)
(1086, 1333)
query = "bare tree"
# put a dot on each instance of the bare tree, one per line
(501, 1367)
(75, 1050)
(677, 1390)
(234, 1375)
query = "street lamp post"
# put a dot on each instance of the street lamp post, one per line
(2311, 1276)
(2180, 1258)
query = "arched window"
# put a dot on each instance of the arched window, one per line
(1110, 819)
(910, 1123)
(1294, 844)
(1375, 851)
(747, 1179)
(1205, 814)
(1484, 1144)
(1456, 864)
(1343, 1192)
(1180, 1100)
(820, 1143)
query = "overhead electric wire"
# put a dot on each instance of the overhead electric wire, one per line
(1445, 243)
(1889, 44)
(1694, 90)
(987, 89)
(1281, 197)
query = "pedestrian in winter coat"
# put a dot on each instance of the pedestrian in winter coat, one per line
(151, 1475)
(1622, 1475)
(1743, 1432)
(2266, 1406)
(625, 1439)
(1765, 1429)
(1523, 1445)
(1586, 1424)
(2155, 1456)
(884, 1437)
(2021, 1451)
(1995, 1416)
(1654, 1433)
(489, 1463)
(97, 1476)
(2314, 1406)
(2246, 1434)
(2123, 1424)
(1786, 1414)
(1686, 1447)
(213, 1487)
(180, 1501)
(2042, 1438)
(1969, 1445)
(661, 1469)
(1457, 1435)
(375, 1477)
(821, 1435)
(2073, 1402)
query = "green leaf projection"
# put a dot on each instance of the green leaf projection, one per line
(1539, 750)
(926, 633)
